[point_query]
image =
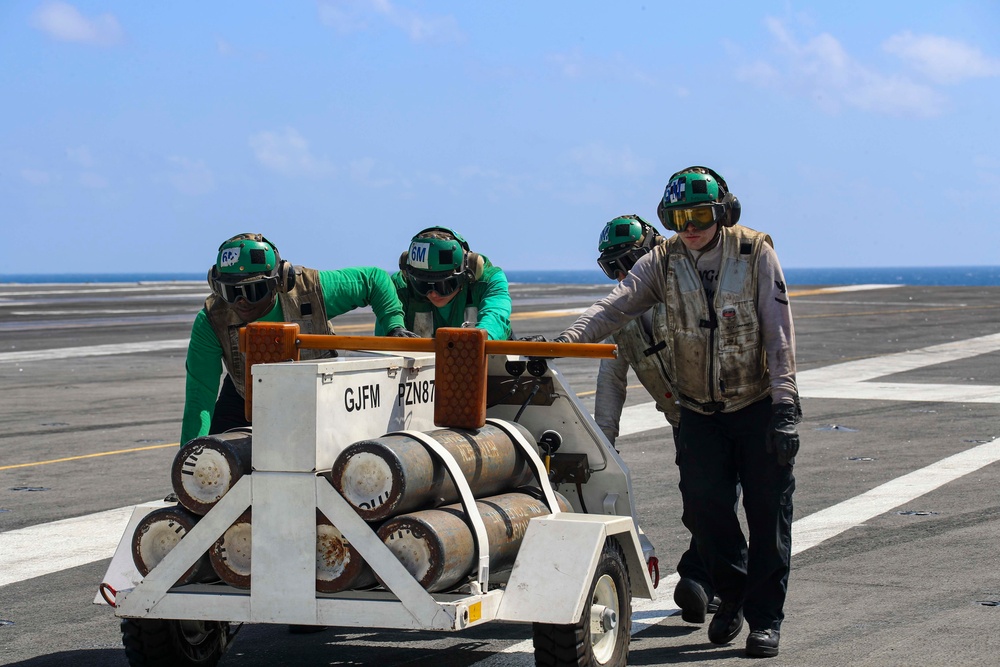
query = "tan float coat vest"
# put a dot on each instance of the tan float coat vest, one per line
(303, 304)
(716, 350)
(649, 360)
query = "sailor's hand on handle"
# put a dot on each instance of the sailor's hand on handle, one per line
(402, 332)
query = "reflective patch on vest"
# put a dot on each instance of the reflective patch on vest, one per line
(687, 279)
(734, 275)
(423, 324)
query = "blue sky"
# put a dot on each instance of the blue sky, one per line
(136, 136)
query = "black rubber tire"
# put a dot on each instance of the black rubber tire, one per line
(573, 645)
(153, 642)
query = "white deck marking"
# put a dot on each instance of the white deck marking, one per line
(52, 547)
(852, 379)
(92, 351)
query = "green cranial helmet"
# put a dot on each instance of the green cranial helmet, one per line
(623, 241)
(436, 252)
(248, 266)
(623, 232)
(693, 186)
(437, 261)
(246, 257)
(698, 196)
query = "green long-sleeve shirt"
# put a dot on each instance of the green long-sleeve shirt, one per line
(490, 295)
(343, 291)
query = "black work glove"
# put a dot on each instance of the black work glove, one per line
(402, 332)
(533, 338)
(782, 438)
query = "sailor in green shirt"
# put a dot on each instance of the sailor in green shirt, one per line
(250, 283)
(442, 283)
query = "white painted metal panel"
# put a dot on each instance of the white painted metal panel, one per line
(121, 574)
(283, 548)
(195, 603)
(553, 571)
(332, 404)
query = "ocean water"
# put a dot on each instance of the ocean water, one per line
(936, 275)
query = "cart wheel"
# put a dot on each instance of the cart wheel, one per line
(165, 643)
(602, 635)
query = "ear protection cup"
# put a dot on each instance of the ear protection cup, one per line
(402, 261)
(474, 266)
(286, 275)
(734, 206)
(213, 273)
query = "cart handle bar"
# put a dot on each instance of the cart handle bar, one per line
(514, 347)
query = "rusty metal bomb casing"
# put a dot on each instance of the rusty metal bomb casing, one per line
(230, 554)
(339, 566)
(438, 548)
(206, 468)
(394, 474)
(158, 533)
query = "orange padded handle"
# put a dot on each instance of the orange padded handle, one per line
(517, 347)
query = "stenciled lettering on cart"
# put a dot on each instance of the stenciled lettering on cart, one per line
(416, 392)
(362, 398)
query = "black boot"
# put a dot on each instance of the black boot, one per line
(693, 600)
(762, 643)
(726, 623)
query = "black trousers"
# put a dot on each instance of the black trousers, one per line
(717, 453)
(690, 565)
(229, 409)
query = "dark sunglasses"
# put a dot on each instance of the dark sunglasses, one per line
(253, 292)
(441, 287)
(623, 262)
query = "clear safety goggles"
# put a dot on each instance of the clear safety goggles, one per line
(702, 217)
(253, 291)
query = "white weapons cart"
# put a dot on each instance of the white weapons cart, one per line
(574, 574)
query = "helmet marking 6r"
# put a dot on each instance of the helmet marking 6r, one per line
(248, 266)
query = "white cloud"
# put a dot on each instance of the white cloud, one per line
(596, 159)
(89, 179)
(361, 173)
(822, 70)
(348, 16)
(940, 59)
(287, 152)
(62, 21)
(81, 156)
(190, 177)
(36, 176)
(574, 65)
